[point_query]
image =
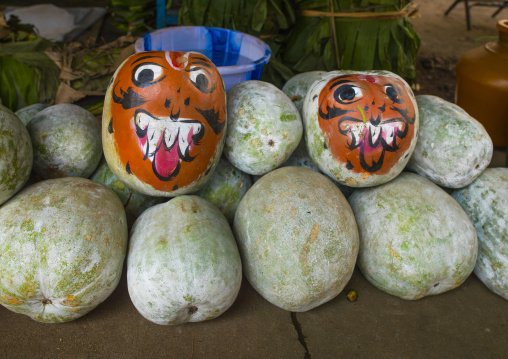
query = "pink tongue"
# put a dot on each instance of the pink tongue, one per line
(166, 161)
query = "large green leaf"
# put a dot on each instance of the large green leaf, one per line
(365, 46)
(28, 74)
(17, 84)
(363, 43)
(259, 15)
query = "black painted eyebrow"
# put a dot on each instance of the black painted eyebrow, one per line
(202, 58)
(340, 82)
(145, 57)
(206, 64)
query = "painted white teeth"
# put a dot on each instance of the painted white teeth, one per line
(356, 132)
(164, 126)
(142, 120)
(183, 137)
(389, 138)
(374, 131)
(169, 137)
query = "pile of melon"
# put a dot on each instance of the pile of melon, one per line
(417, 210)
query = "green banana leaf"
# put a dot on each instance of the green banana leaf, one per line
(362, 43)
(134, 16)
(27, 74)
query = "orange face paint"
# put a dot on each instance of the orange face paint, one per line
(168, 115)
(368, 121)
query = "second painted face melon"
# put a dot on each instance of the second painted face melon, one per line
(360, 127)
(164, 122)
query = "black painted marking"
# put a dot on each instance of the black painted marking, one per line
(129, 99)
(332, 112)
(145, 57)
(175, 187)
(187, 101)
(213, 119)
(128, 168)
(349, 165)
(110, 125)
(325, 145)
(167, 103)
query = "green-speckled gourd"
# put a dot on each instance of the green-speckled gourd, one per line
(264, 127)
(26, 114)
(453, 148)
(415, 239)
(485, 201)
(183, 263)
(62, 247)
(226, 188)
(297, 86)
(297, 237)
(66, 142)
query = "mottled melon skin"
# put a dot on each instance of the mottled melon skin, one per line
(225, 188)
(453, 148)
(26, 114)
(66, 142)
(297, 237)
(264, 127)
(297, 86)
(300, 157)
(486, 203)
(62, 247)
(415, 239)
(16, 155)
(183, 263)
(134, 202)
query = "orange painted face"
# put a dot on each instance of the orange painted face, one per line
(168, 116)
(368, 121)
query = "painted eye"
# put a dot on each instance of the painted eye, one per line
(347, 94)
(392, 93)
(147, 74)
(201, 79)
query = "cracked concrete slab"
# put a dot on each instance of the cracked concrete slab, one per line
(251, 328)
(467, 322)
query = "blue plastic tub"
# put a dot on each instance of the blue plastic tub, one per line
(238, 56)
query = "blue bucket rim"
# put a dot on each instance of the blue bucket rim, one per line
(223, 70)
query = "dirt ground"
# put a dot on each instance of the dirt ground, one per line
(444, 39)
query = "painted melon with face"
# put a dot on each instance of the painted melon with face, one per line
(361, 127)
(164, 122)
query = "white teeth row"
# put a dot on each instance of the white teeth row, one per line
(374, 132)
(164, 126)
